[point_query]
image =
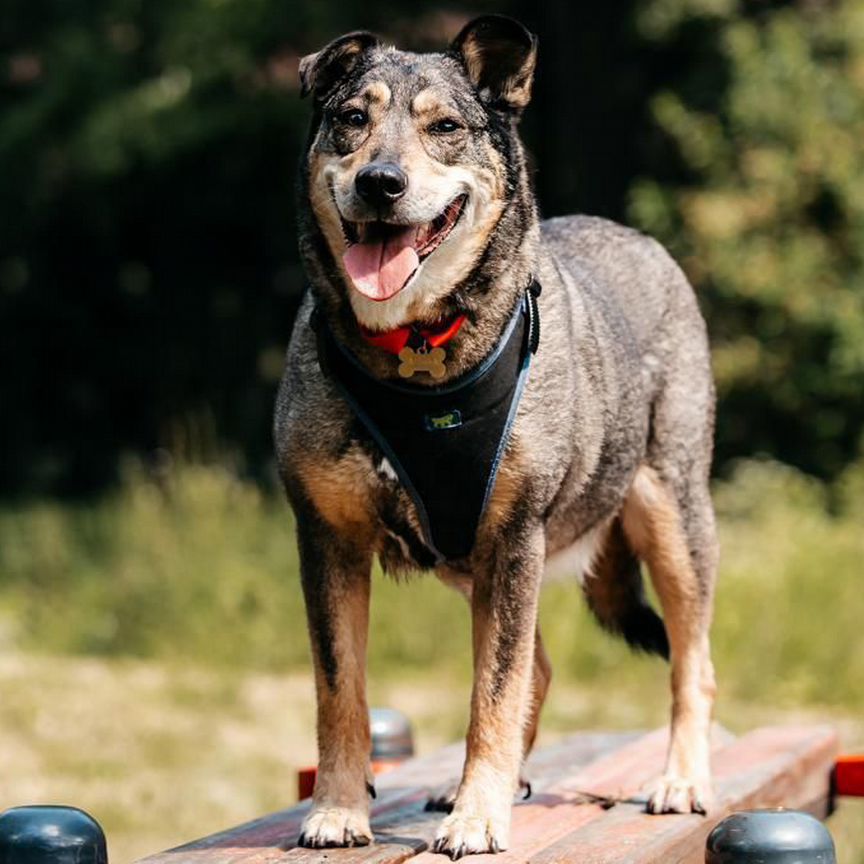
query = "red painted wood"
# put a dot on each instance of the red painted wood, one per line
(849, 775)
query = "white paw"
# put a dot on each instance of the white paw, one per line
(674, 794)
(469, 834)
(326, 827)
(443, 798)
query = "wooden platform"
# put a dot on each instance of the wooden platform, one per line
(774, 766)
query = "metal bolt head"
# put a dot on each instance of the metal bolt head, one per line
(770, 837)
(392, 738)
(47, 834)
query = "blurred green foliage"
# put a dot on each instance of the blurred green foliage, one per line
(194, 563)
(149, 277)
(769, 223)
(148, 264)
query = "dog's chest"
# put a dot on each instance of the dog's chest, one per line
(360, 494)
(400, 541)
(444, 444)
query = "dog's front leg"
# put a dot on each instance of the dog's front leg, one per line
(504, 613)
(336, 575)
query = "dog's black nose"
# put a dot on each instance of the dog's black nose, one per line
(380, 183)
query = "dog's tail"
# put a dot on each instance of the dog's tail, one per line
(616, 596)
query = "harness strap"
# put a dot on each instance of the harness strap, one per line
(445, 443)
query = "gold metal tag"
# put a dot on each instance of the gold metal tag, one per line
(422, 361)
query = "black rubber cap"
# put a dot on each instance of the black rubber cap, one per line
(45, 834)
(770, 837)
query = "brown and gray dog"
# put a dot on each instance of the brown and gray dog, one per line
(417, 207)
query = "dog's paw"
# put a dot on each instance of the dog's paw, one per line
(674, 794)
(328, 827)
(441, 800)
(470, 834)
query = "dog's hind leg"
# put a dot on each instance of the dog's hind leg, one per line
(504, 616)
(615, 593)
(442, 799)
(540, 680)
(654, 524)
(335, 572)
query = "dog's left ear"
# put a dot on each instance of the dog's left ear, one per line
(321, 71)
(499, 55)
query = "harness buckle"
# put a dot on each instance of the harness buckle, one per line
(533, 334)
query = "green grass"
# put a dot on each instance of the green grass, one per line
(179, 596)
(203, 566)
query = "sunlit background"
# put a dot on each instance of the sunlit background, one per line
(153, 659)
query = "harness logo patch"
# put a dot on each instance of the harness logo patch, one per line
(447, 420)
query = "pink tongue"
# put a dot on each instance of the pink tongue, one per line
(380, 270)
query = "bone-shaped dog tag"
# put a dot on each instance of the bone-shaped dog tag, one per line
(422, 361)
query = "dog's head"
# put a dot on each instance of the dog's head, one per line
(413, 159)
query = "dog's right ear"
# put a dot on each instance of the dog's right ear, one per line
(321, 71)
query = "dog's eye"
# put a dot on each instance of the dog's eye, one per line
(444, 127)
(356, 117)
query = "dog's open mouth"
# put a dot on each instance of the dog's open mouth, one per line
(381, 258)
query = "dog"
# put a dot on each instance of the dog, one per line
(425, 256)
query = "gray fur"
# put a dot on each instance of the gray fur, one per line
(622, 337)
(621, 379)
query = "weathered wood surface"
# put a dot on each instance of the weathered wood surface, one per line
(560, 823)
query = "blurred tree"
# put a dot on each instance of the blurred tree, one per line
(769, 217)
(148, 265)
(147, 151)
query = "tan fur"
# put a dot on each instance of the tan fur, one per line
(321, 166)
(652, 524)
(340, 492)
(495, 740)
(473, 58)
(426, 105)
(344, 493)
(542, 667)
(327, 169)
(429, 105)
(540, 682)
(580, 558)
(453, 260)
(509, 485)
(348, 52)
(517, 90)
(603, 581)
(341, 797)
(434, 185)
(622, 377)
(377, 94)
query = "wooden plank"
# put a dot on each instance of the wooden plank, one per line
(769, 767)
(563, 806)
(772, 767)
(267, 838)
(397, 813)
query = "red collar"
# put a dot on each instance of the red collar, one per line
(394, 341)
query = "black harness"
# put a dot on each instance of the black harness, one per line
(445, 443)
